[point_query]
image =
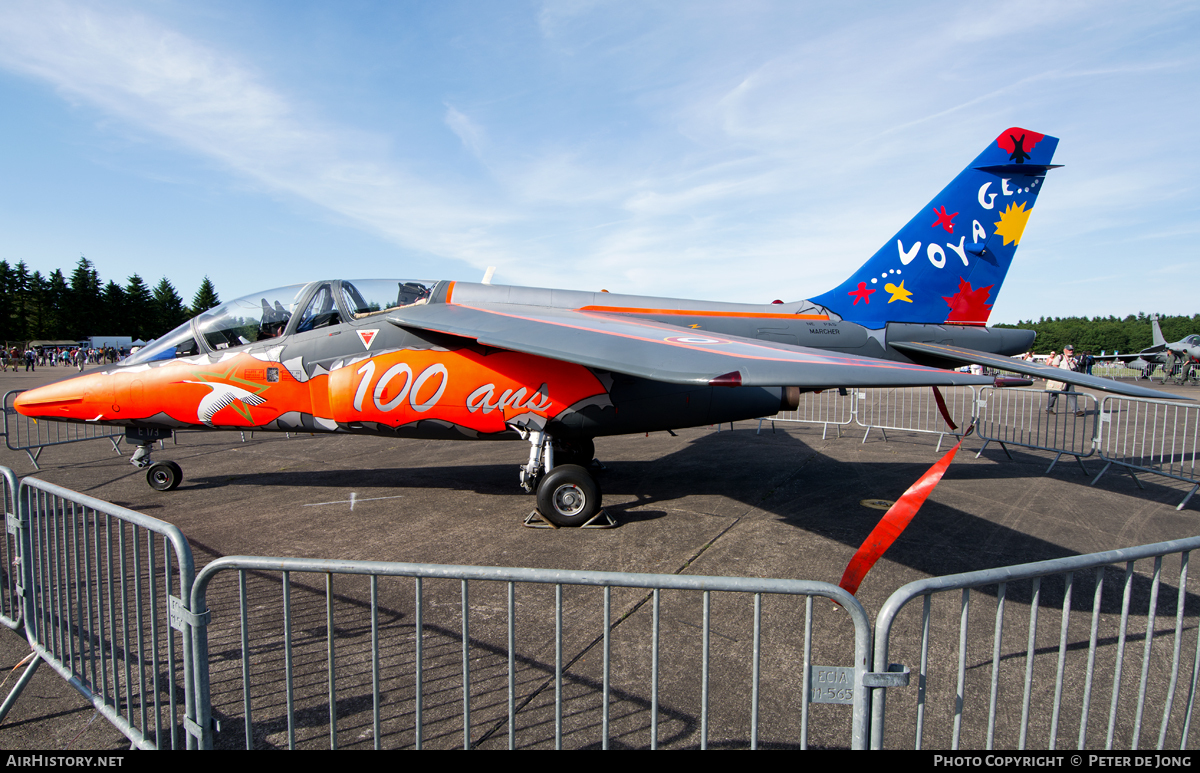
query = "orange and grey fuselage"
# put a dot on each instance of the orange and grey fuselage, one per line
(326, 359)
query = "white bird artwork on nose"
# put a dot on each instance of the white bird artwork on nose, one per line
(222, 396)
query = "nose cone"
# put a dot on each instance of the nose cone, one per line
(82, 398)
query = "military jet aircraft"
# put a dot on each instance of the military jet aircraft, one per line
(1177, 359)
(459, 360)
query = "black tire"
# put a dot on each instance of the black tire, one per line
(580, 451)
(164, 476)
(568, 496)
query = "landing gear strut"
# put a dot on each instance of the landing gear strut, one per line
(567, 494)
(162, 476)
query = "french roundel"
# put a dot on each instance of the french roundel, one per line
(694, 340)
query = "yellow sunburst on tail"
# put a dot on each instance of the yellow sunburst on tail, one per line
(1012, 223)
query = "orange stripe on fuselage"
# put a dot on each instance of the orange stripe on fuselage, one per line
(809, 356)
(694, 313)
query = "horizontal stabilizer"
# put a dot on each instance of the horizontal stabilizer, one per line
(652, 350)
(1000, 362)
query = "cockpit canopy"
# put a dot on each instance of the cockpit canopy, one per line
(283, 311)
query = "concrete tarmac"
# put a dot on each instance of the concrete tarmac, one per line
(783, 504)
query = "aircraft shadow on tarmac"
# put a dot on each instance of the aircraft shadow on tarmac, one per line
(781, 474)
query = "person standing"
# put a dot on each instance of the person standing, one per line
(1066, 361)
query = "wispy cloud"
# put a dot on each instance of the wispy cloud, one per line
(471, 134)
(158, 80)
(669, 151)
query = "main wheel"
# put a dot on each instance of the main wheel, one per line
(580, 451)
(164, 476)
(568, 496)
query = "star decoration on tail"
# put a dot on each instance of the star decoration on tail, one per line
(945, 220)
(863, 293)
(898, 292)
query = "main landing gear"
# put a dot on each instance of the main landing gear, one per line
(162, 476)
(567, 494)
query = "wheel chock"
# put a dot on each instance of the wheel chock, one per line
(601, 520)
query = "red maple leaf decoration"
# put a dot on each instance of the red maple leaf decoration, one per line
(944, 220)
(863, 293)
(967, 305)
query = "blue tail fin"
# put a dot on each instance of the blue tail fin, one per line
(948, 263)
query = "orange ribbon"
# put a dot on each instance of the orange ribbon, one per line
(895, 521)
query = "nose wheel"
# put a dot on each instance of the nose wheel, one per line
(164, 476)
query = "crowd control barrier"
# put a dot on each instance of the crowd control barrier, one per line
(460, 665)
(22, 433)
(901, 409)
(1024, 417)
(1151, 436)
(1119, 370)
(105, 597)
(915, 410)
(1110, 675)
(829, 408)
(10, 579)
(1086, 651)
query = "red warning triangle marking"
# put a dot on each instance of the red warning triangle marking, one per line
(367, 336)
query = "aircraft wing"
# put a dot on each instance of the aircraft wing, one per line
(1131, 356)
(1000, 362)
(661, 352)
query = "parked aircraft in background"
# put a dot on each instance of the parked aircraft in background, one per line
(458, 360)
(1177, 359)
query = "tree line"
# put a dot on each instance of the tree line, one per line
(37, 307)
(1109, 334)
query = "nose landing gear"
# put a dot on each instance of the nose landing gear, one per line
(162, 476)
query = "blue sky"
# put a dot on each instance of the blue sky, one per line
(742, 151)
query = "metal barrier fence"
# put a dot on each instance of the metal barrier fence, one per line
(903, 409)
(1176, 370)
(99, 609)
(431, 656)
(1150, 436)
(22, 433)
(11, 583)
(440, 658)
(1024, 417)
(915, 410)
(1062, 698)
(1158, 436)
(1120, 370)
(831, 407)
